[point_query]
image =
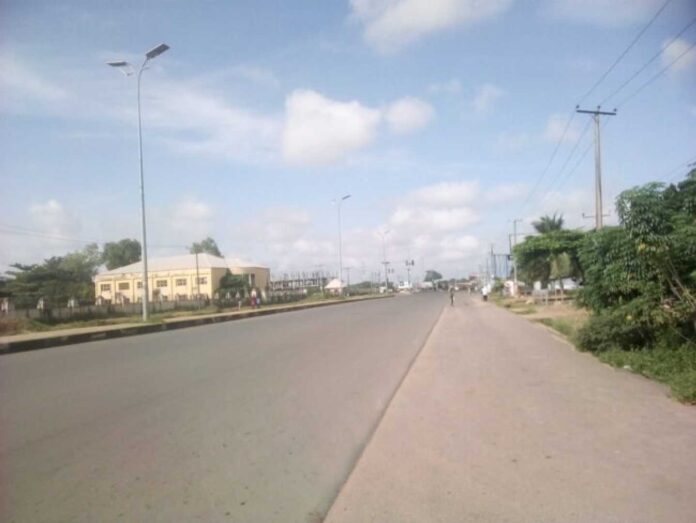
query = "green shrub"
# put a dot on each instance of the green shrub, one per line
(613, 329)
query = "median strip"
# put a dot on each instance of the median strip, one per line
(44, 340)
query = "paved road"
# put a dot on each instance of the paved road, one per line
(259, 420)
(499, 421)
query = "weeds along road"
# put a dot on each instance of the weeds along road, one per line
(255, 420)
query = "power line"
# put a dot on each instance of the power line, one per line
(563, 179)
(548, 164)
(21, 231)
(624, 53)
(674, 172)
(572, 153)
(18, 231)
(590, 91)
(575, 167)
(646, 64)
(657, 75)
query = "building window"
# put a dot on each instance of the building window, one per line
(105, 287)
(123, 286)
(203, 280)
(161, 283)
(139, 285)
(181, 282)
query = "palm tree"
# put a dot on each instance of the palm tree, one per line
(547, 223)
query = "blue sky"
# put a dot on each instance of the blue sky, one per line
(437, 116)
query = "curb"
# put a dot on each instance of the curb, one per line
(57, 339)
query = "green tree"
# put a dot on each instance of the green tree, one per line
(549, 256)
(56, 280)
(121, 253)
(232, 283)
(547, 224)
(208, 245)
(432, 276)
(640, 277)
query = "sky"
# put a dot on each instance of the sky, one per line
(443, 119)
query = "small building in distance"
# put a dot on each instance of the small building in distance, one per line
(300, 281)
(175, 278)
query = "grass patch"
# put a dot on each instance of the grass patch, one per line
(674, 367)
(528, 309)
(565, 325)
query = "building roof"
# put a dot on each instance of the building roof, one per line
(185, 261)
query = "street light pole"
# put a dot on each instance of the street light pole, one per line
(384, 257)
(514, 257)
(340, 241)
(127, 68)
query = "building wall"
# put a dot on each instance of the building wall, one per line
(260, 276)
(164, 285)
(171, 284)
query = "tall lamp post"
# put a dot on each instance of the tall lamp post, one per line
(383, 234)
(338, 203)
(127, 69)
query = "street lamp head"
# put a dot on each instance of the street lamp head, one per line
(346, 197)
(156, 51)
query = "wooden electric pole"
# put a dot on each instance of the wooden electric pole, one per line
(599, 214)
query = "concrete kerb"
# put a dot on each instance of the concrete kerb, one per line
(56, 338)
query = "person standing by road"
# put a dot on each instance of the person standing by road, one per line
(451, 293)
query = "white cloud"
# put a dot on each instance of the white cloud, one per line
(284, 224)
(391, 24)
(453, 86)
(446, 194)
(213, 126)
(603, 13)
(408, 114)
(20, 84)
(188, 220)
(51, 217)
(293, 244)
(556, 125)
(432, 221)
(506, 192)
(673, 52)
(514, 141)
(319, 130)
(258, 75)
(486, 96)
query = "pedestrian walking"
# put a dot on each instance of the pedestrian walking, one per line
(253, 298)
(451, 293)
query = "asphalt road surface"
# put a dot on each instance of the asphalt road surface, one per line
(259, 420)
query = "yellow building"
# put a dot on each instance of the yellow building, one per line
(175, 278)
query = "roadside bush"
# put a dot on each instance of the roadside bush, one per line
(613, 329)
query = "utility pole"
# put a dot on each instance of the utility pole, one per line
(514, 258)
(338, 202)
(599, 214)
(409, 264)
(383, 234)
(198, 284)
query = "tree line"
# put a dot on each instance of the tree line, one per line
(638, 277)
(61, 278)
